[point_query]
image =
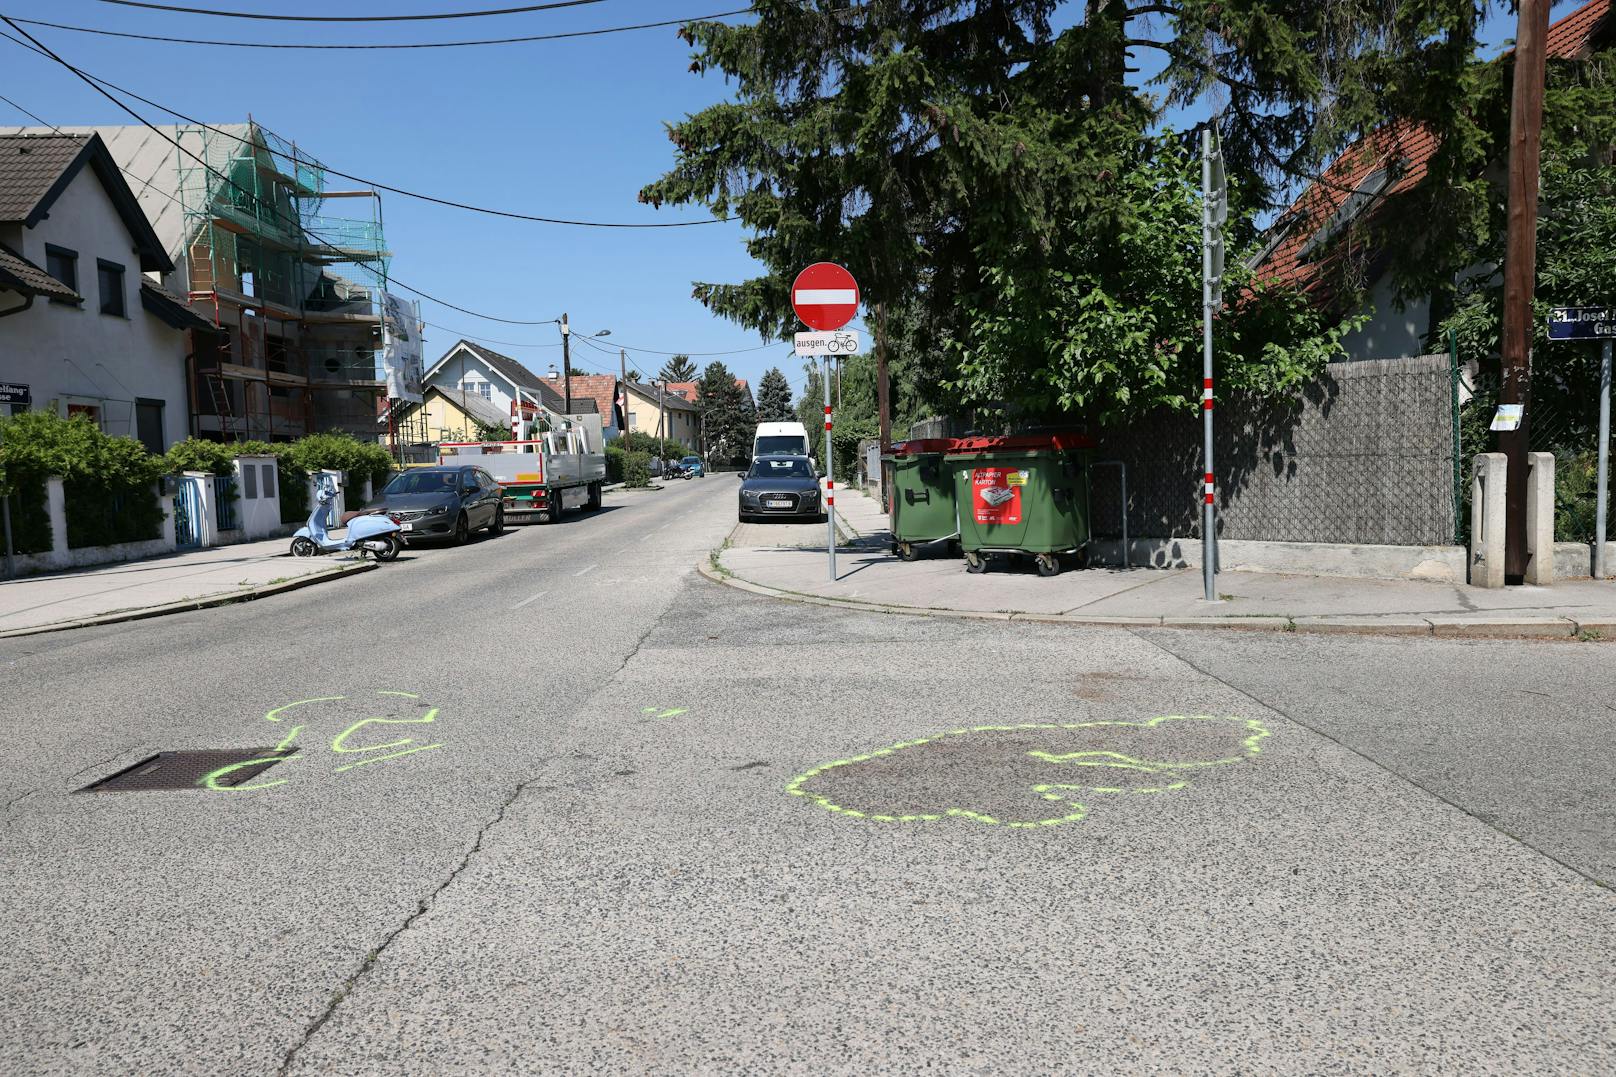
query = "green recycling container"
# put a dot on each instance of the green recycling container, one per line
(922, 495)
(1023, 494)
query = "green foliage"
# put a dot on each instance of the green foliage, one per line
(198, 454)
(106, 481)
(774, 398)
(30, 517)
(614, 461)
(637, 469)
(1107, 323)
(1576, 501)
(679, 368)
(667, 448)
(728, 415)
(950, 154)
(341, 452)
(492, 431)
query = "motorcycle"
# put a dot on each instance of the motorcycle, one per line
(376, 533)
(678, 471)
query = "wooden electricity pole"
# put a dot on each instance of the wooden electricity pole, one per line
(566, 361)
(1520, 266)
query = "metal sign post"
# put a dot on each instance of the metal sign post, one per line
(1593, 323)
(825, 296)
(1604, 458)
(1214, 212)
(830, 481)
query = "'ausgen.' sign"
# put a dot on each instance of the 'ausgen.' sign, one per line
(1582, 323)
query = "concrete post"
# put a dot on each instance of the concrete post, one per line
(1487, 520)
(56, 510)
(166, 501)
(1540, 518)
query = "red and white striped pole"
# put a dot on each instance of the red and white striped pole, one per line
(830, 481)
(1208, 306)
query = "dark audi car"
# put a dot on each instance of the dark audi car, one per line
(443, 502)
(786, 486)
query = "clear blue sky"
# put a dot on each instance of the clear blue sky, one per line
(569, 128)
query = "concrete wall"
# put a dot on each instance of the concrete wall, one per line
(1363, 455)
(77, 355)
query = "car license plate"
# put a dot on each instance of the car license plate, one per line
(777, 504)
(406, 527)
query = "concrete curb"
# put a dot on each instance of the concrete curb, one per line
(1504, 627)
(224, 598)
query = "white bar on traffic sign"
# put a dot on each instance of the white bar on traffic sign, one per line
(840, 342)
(826, 296)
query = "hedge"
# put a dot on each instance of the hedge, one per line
(107, 481)
(637, 468)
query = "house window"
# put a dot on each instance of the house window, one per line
(109, 277)
(474, 384)
(149, 424)
(63, 264)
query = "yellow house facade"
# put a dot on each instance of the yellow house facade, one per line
(644, 407)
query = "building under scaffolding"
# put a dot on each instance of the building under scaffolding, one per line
(289, 272)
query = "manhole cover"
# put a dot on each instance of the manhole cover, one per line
(189, 770)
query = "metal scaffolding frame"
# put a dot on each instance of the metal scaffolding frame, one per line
(292, 279)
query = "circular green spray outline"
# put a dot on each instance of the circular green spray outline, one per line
(1250, 746)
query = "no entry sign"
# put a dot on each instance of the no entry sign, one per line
(825, 296)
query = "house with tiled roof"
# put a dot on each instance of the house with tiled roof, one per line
(85, 326)
(606, 391)
(473, 387)
(1305, 247)
(668, 414)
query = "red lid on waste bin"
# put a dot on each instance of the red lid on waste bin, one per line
(1056, 441)
(916, 446)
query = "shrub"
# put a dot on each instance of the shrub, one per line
(199, 454)
(106, 481)
(340, 452)
(614, 462)
(637, 468)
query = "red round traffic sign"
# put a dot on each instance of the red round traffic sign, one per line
(825, 296)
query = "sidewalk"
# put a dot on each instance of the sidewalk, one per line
(869, 577)
(138, 589)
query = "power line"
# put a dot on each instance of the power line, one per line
(96, 83)
(698, 355)
(392, 281)
(486, 340)
(30, 115)
(352, 18)
(419, 45)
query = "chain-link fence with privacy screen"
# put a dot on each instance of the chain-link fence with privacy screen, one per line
(1364, 454)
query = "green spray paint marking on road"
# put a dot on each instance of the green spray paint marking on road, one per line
(339, 743)
(658, 712)
(1250, 747)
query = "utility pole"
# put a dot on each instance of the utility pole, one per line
(622, 389)
(1520, 271)
(566, 360)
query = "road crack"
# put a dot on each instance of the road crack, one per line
(422, 907)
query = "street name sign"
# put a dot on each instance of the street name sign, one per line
(841, 342)
(15, 393)
(1582, 323)
(825, 296)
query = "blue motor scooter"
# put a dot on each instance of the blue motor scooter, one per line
(375, 533)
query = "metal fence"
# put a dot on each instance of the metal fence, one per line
(1364, 454)
(224, 500)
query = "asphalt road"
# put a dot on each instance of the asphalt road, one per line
(659, 825)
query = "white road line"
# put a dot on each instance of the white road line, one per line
(591, 568)
(526, 601)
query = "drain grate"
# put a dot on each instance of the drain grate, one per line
(188, 770)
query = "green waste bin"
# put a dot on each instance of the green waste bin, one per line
(921, 495)
(1023, 494)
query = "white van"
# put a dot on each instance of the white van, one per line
(789, 438)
